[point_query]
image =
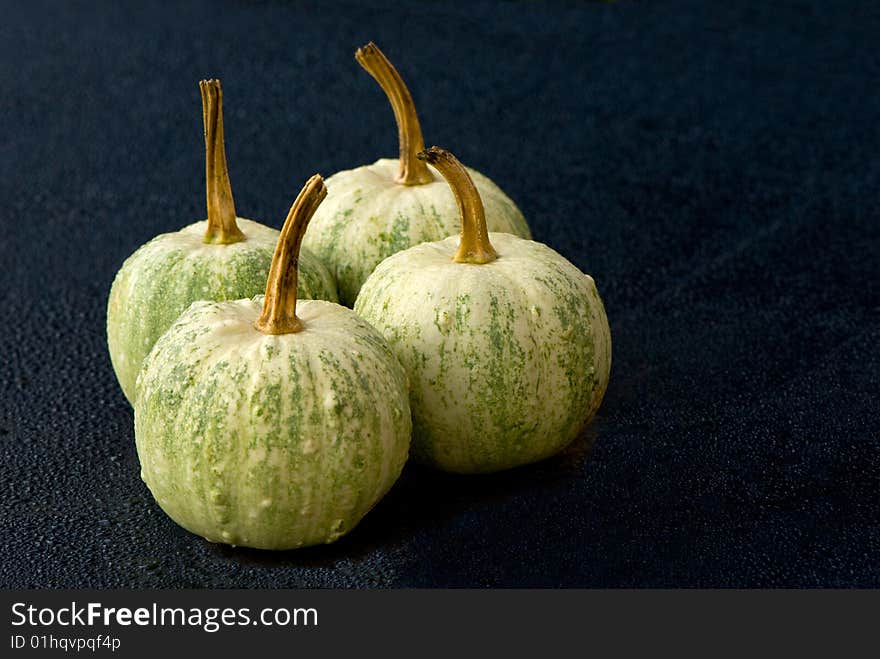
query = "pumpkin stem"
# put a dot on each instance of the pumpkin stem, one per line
(279, 306)
(222, 228)
(474, 246)
(412, 171)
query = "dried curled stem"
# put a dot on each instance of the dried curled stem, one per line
(279, 306)
(474, 246)
(412, 170)
(222, 228)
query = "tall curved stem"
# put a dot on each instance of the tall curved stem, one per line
(412, 171)
(279, 306)
(474, 246)
(222, 228)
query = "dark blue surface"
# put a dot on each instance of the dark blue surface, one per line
(714, 165)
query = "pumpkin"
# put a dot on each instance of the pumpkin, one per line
(506, 343)
(220, 258)
(376, 210)
(270, 422)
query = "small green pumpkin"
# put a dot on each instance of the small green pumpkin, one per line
(376, 210)
(273, 429)
(220, 258)
(505, 342)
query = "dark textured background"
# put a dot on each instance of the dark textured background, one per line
(714, 165)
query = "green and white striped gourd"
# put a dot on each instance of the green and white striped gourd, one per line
(376, 210)
(505, 342)
(268, 422)
(221, 258)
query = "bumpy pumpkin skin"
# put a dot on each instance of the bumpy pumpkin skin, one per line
(507, 360)
(270, 441)
(164, 276)
(368, 216)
